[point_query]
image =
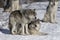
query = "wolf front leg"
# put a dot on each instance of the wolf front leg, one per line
(23, 29)
(14, 29)
(27, 31)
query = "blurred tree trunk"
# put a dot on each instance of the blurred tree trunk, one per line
(1, 3)
(51, 10)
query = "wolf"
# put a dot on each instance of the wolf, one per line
(51, 10)
(7, 5)
(11, 5)
(21, 17)
(34, 28)
(1, 3)
(15, 5)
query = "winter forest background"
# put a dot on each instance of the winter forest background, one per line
(53, 30)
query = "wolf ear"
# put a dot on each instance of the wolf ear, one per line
(33, 9)
(38, 20)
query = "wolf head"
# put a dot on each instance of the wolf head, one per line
(34, 25)
(30, 14)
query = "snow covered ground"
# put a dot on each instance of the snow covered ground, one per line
(53, 30)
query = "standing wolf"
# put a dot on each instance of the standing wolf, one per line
(21, 17)
(11, 5)
(15, 5)
(50, 15)
(1, 3)
(7, 5)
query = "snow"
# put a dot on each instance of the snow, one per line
(53, 30)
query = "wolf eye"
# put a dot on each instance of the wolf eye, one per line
(35, 18)
(35, 25)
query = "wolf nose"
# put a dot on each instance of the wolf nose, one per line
(14, 31)
(35, 17)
